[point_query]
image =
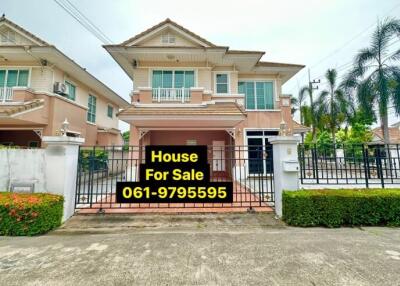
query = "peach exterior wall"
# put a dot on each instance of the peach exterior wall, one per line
(52, 115)
(109, 139)
(158, 137)
(43, 78)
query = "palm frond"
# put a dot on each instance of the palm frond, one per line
(362, 59)
(331, 75)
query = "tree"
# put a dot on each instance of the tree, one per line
(375, 77)
(306, 90)
(333, 103)
(125, 136)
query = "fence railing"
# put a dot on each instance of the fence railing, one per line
(248, 167)
(353, 164)
(6, 94)
(161, 94)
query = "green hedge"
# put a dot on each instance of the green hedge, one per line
(334, 208)
(29, 214)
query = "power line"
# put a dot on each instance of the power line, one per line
(72, 10)
(344, 45)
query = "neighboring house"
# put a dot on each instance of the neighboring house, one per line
(40, 87)
(188, 90)
(299, 129)
(396, 125)
(394, 135)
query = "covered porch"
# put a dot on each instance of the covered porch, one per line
(25, 137)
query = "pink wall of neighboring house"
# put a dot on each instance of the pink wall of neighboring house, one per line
(109, 139)
(50, 116)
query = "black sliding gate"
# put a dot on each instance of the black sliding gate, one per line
(248, 167)
(356, 164)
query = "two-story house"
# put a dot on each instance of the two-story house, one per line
(40, 88)
(187, 90)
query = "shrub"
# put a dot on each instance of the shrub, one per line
(29, 214)
(93, 160)
(333, 208)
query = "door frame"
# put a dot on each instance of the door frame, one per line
(263, 137)
(223, 163)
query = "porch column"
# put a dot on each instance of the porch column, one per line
(286, 167)
(61, 156)
(134, 153)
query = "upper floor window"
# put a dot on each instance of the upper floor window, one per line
(221, 83)
(91, 114)
(8, 36)
(259, 95)
(71, 90)
(110, 111)
(172, 79)
(168, 39)
(14, 77)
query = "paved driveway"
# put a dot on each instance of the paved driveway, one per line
(231, 249)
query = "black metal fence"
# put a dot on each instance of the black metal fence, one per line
(249, 167)
(366, 164)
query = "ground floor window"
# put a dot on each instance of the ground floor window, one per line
(260, 152)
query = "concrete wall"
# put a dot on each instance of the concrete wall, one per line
(17, 165)
(50, 170)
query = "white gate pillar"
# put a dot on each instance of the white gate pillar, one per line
(286, 167)
(61, 169)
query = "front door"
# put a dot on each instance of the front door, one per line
(260, 156)
(218, 155)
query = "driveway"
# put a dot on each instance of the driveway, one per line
(222, 249)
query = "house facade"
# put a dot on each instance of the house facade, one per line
(187, 90)
(40, 88)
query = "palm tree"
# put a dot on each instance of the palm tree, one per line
(313, 112)
(294, 102)
(333, 103)
(374, 76)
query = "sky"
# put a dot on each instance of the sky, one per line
(318, 34)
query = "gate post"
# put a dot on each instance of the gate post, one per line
(61, 165)
(286, 167)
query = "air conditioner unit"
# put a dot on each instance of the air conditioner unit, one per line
(60, 88)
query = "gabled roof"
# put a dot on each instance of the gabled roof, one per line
(4, 20)
(299, 128)
(164, 23)
(14, 109)
(149, 46)
(396, 124)
(43, 50)
(279, 65)
(219, 108)
(394, 135)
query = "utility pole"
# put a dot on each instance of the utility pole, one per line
(312, 83)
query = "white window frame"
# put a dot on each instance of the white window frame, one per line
(95, 111)
(228, 75)
(7, 37)
(173, 69)
(67, 79)
(275, 93)
(112, 108)
(168, 36)
(245, 137)
(7, 68)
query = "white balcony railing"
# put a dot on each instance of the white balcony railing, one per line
(6, 94)
(160, 94)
